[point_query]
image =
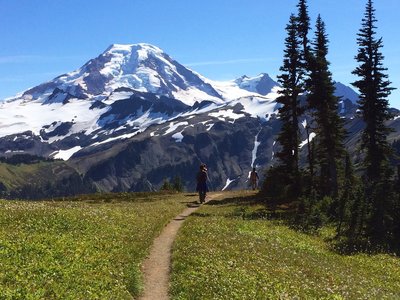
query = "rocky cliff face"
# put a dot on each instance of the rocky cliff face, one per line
(145, 161)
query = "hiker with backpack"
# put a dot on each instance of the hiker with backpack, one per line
(254, 179)
(201, 187)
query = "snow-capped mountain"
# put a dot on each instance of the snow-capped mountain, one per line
(259, 86)
(140, 67)
(262, 84)
(128, 117)
(119, 94)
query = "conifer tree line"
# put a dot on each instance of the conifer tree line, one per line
(363, 201)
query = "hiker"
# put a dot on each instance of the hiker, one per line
(254, 179)
(202, 183)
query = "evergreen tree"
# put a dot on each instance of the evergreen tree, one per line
(166, 186)
(396, 213)
(303, 26)
(374, 88)
(291, 82)
(294, 71)
(396, 152)
(348, 193)
(380, 220)
(323, 106)
(177, 184)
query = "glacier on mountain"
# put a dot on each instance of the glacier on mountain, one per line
(127, 89)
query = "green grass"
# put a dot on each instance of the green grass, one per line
(233, 250)
(88, 248)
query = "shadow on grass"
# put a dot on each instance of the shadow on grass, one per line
(201, 215)
(192, 204)
(236, 201)
(191, 195)
(187, 202)
(243, 208)
(258, 207)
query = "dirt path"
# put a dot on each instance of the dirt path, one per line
(156, 267)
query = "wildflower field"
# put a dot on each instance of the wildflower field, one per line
(234, 249)
(90, 247)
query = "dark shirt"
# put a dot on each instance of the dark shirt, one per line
(202, 177)
(201, 181)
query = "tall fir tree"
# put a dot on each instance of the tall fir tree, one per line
(292, 79)
(348, 194)
(291, 83)
(374, 88)
(323, 106)
(303, 27)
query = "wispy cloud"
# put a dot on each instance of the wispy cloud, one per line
(20, 59)
(22, 78)
(17, 59)
(227, 62)
(30, 77)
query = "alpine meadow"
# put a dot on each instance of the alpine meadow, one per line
(136, 177)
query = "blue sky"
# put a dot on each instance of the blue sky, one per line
(220, 39)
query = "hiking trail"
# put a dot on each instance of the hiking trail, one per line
(156, 267)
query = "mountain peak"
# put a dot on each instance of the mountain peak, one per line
(141, 67)
(262, 75)
(345, 92)
(128, 49)
(262, 83)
